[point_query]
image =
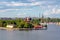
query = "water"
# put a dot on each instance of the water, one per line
(52, 33)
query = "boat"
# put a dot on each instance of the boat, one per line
(40, 26)
(44, 25)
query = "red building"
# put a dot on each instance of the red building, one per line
(38, 26)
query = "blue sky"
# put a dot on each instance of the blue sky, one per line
(30, 8)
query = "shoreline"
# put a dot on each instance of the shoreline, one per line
(4, 28)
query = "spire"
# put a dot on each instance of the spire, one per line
(42, 16)
(42, 19)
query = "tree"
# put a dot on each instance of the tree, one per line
(4, 23)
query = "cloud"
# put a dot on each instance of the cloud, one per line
(14, 9)
(8, 10)
(56, 11)
(17, 4)
(47, 7)
(52, 10)
(35, 3)
(22, 4)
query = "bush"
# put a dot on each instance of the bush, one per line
(28, 25)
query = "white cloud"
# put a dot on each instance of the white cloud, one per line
(58, 11)
(55, 11)
(8, 10)
(22, 4)
(35, 3)
(14, 9)
(51, 11)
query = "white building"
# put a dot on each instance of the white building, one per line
(10, 26)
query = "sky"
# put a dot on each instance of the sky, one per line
(30, 8)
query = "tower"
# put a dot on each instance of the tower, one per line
(42, 19)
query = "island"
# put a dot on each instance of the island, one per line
(25, 23)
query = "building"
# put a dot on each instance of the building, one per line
(10, 26)
(27, 19)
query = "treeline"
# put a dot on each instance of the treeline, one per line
(19, 23)
(52, 19)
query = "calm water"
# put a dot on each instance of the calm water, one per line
(52, 33)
